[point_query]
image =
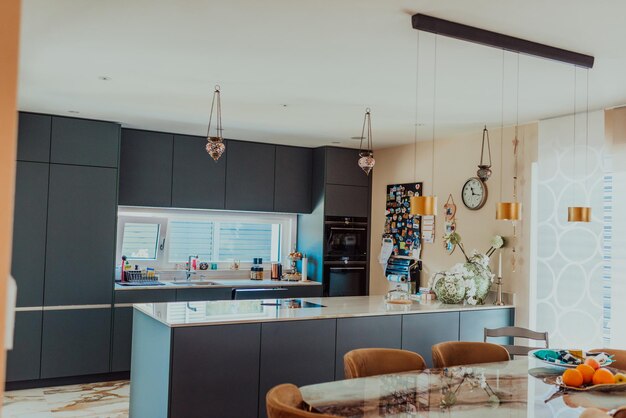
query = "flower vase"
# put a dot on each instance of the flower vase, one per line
(449, 287)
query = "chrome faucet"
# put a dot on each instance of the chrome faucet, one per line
(188, 272)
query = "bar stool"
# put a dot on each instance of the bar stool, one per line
(285, 401)
(459, 353)
(365, 362)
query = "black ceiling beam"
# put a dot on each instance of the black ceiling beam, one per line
(498, 40)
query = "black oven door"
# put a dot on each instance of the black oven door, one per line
(345, 280)
(346, 240)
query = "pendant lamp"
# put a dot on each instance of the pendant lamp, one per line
(580, 213)
(427, 205)
(510, 211)
(366, 156)
(215, 146)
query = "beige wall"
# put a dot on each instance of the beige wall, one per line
(455, 161)
(9, 45)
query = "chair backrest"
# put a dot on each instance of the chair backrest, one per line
(285, 401)
(365, 362)
(619, 357)
(458, 353)
(517, 332)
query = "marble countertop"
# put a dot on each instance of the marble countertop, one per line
(181, 314)
(219, 283)
(518, 388)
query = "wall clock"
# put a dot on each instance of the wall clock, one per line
(474, 193)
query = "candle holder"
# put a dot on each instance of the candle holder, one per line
(499, 301)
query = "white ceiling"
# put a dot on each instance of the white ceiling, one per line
(326, 60)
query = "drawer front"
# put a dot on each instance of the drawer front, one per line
(145, 296)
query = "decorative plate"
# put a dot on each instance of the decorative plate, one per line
(565, 365)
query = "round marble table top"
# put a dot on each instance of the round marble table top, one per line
(518, 388)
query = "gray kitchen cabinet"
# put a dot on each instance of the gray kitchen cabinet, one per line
(292, 182)
(80, 247)
(84, 142)
(342, 167)
(231, 352)
(298, 352)
(347, 200)
(200, 294)
(305, 291)
(250, 176)
(33, 143)
(123, 322)
(366, 332)
(75, 342)
(197, 180)
(421, 331)
(29, 232)
(24, 360)
(473, 324)
(146, 168)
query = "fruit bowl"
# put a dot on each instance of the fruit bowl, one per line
(606, 387)
(552, 357)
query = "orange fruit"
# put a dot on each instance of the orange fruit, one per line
(593, 363)
(573, 378)
(587, 371)
(603, 376)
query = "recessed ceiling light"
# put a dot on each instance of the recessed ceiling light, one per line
(284, 105)
(104, 78)
(75, 112)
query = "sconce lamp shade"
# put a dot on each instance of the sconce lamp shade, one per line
(508, 211)
(424, 205)
(579, 214)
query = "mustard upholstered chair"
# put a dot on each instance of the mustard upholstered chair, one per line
(365, 362)
(285, 401)
(619, 357)
(458, 353)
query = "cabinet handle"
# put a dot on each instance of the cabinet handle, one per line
(333, 228)
(347, 268)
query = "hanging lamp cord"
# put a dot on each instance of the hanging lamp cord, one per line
(501, 124)
(417, 63)
(516, 140)
(587, 137)
(574, 136)
(217, 104)
(434, 117)
(482, 148)
(367, 123)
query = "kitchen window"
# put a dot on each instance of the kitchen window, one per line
(163, 238)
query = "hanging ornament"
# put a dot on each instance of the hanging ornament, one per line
(484, 170)
(215, 146)
(366, 156)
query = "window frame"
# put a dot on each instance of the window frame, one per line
(122, 220)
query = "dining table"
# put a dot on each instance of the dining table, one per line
(524, 387)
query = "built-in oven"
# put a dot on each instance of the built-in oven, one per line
(345, 278)
(345, 239)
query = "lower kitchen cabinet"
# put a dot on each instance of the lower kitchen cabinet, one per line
(366, 332)
(215, 371)
(24, 360)
(421, 331)
(298, 352)
(75, 342)
(473, 324)
(306, 291)
(189, 295)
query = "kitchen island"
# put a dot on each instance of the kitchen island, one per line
(219, 358)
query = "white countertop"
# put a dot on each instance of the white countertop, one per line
(182, 314)
(220, 283)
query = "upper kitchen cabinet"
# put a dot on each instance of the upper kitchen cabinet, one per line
(197, 180)
(80, 248)
(342, 167)
(84, 142)
(146, 168)
(347, 200)
(34, 137)
(29, 231)
(250, 176)
(292, 182)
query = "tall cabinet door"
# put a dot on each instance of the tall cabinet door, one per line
(250, 176)
(292, 184)
(24, 360)
(146, 168)
(197, 180)
(29, 232)
(80, 248)
(33, 142)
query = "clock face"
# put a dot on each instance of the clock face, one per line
(474, 193)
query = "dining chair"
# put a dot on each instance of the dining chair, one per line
(285, 401)
(459, 353)
(619, 357)
(364, 362)
(517, 332)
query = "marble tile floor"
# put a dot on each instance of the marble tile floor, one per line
(102, 400)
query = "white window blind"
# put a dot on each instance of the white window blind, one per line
(140, 240)
(190, 238)
(245, 241)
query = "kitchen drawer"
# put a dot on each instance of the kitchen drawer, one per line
(145, 296)
(220, 293)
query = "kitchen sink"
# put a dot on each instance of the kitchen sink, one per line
(195, 283)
